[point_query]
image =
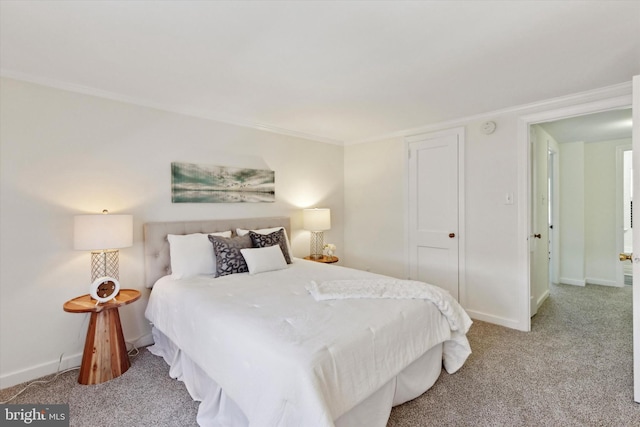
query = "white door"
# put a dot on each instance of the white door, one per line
(539, 236)
(434, 209)
(636, 241)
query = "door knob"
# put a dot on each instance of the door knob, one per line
(625, 257)
(452, 235)
(538, 236)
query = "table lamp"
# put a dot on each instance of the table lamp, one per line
(317, 221)
(103, 234)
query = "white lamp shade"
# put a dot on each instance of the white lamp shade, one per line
(100, 232)
(316, 219)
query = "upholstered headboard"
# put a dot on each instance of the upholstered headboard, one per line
(157, 262)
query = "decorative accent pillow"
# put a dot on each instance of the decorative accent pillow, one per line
(277, 238)
(260, 260)
(192, 254)
(286, 253)
(229, 259)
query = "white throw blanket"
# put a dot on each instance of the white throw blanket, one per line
(394, 288)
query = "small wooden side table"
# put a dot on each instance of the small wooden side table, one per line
(105, 352)
(325, 259)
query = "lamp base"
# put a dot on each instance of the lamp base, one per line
(317, 242)
(104, 263)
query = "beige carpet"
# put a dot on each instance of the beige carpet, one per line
(573, 369)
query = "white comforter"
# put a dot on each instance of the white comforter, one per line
(287, 359)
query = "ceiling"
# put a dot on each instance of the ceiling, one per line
(597, 127)
(340, 71)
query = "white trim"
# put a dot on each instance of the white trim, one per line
(202, 114)
(490, 318)
(524, 189)
(542, 299)
(636, 241)
(620, 89)
(602, 282)
(585, 96)
(620, 149)
(39, 371)
(614, 103)
(405, 201)
(555, 220)
(524, 226)
(462, 235)
(574, 282)
(51, 367)
(437, 134)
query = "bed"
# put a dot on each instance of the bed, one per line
(268, 348)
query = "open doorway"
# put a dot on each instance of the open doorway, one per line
(578, 184)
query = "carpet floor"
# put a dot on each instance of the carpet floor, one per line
(573, 369)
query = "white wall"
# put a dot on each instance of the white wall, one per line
(375, 196)
(572, 213)
(375, 182)
(588, 252)
(64, 154)
(375, 206)
(601, 261)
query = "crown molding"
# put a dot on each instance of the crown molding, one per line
(581, 97)
(202, 114)
(616, 90)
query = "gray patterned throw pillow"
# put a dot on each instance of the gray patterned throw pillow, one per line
(272, 239)
(229, 259)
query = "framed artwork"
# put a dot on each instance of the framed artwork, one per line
(194, 183)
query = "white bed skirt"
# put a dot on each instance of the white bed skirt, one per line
(217, 409)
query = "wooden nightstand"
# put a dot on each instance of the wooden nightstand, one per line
(325, 259)
(105, 353)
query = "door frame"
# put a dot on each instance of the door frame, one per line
(539, 223)
(620, 150)
(635, 141)
(524, 187)
(460, 133)
(554, 203)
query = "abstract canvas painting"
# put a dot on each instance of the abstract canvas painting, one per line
(194, 183)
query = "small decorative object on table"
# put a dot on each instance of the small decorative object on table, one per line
(329, 249)
(104, 289)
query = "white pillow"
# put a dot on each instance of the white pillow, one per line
(242, 232)
(192, 254)
(260, 260)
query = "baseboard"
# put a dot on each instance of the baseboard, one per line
(542, 298)
(575, 282)
(601, 282)
(507, 323)
(51, 367)
(39, 371)
(143, 341)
